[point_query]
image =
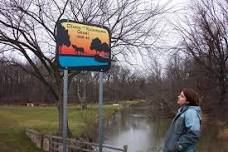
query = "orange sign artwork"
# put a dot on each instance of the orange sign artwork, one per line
(84, 40)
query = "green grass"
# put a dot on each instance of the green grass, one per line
(15, 119)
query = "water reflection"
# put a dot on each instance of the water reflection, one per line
(143, 134)
(136, 130)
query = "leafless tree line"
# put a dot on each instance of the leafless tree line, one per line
(205, 38)
(18, 87)
(120, 83)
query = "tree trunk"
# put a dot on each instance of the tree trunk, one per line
(82, 98)
(222, 86)
(60, 112)
(222, 89)
(60, 130)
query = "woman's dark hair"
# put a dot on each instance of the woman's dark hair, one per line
(192, 96)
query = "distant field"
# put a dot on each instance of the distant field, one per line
(15, 119)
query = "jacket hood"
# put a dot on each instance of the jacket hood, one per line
(196, 108)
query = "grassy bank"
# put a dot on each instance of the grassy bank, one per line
(15, 119)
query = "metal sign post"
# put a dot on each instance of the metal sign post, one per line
(65, 97)
(101, 115)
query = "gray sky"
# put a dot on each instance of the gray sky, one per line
(169, 37)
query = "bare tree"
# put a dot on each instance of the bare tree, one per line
(205, 38)
(82, 82)
(27, 28)
(132, 23)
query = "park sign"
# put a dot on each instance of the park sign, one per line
(83, 46)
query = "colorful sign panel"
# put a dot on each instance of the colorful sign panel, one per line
(82, 46)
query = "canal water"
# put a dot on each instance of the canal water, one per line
(143, 134)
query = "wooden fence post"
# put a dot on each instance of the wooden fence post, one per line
(125, 148)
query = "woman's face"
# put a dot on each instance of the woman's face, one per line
(182, 100)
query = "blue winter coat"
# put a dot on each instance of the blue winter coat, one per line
(184, 131)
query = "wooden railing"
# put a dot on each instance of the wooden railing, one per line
(54, 144)
(77, 146)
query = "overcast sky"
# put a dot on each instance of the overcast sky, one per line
(170, 38)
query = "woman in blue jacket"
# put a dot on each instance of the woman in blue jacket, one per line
(184, 131)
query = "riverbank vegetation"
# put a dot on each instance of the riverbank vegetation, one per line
(15, 119)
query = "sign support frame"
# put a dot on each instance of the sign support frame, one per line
(101, 111)
(65, 110)
(90, 49)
